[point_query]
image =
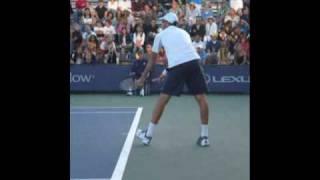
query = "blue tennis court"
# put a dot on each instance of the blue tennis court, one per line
(101, 140)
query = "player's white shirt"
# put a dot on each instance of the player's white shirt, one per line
(177, 44)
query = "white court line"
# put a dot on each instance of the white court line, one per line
(123, 158)
(99, 107)
(90, 179)
(102, 112)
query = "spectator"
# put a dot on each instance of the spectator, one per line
(161, 57)
(99, 29)
(124, 56)
(211, 28)
(242, 51)
(148, 52)
(123, 23)
(137, 68)
(176, 9)
(222, 36)
(76, 37)
(79, 56)
(232, 39)
(138, 22)
(233, 17)
(157, 10)
(151, 31)
(245, 14)
(138, 39)
(108, 46)
(109, 29)
(212, 49)
(124, 5)
(223, 54)
(183, 24)
(213, 45)
(101, 9)
(81, 4)
(198, 43)
(109, 16)
(244, 26)
(148, 15)
(200, 47)
(130, 18)
(113, 5)
(227, 27)
(88, 57)
(92, 45)
(191, 13)
(124, 40)
(87, 17)
(166, 4)
(119, 15)
(206, 12)
(151, 2)
(92, 9)
(87, 32)
(202, 54)
(137, 5)
(198, 29)
(236, 4)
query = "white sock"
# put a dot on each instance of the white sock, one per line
(150, 129)
(204, 130)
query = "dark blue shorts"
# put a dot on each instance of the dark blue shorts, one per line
(191, 74)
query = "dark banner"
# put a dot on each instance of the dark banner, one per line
(106, 78)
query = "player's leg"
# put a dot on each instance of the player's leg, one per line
(172, 86)
(159, 107)
(197, 86)
(146, 134)
(203, 106)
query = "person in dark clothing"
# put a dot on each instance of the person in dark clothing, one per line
(198, 29)
(151, 31)
(137, 69)
(101, 9)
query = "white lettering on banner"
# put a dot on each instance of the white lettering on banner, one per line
(227, 79)
(81, 78)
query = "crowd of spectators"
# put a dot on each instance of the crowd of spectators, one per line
(114, 31)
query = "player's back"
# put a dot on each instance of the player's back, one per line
(178, 46)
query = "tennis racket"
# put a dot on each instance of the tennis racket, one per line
(128, 84)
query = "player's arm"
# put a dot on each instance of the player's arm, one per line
(155, 49)
(149, 66)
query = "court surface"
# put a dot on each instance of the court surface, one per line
(102, 144)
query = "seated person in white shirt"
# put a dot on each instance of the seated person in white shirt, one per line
(124, 5)
(112, 5)
(109, 29)
(138, 39)
(99, 29)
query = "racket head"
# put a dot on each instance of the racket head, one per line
(128, 84)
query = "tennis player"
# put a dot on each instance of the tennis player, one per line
(183, 68)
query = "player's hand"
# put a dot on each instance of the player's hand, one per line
(162, 76)
(139, 82)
